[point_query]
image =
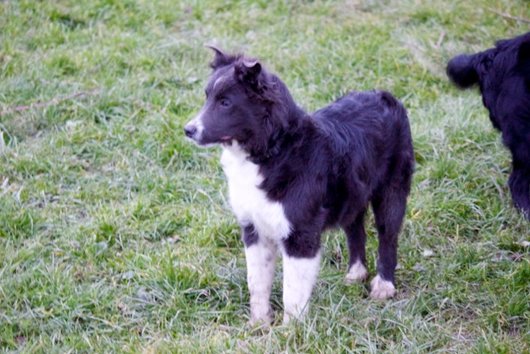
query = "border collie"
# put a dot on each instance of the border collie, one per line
(292, 174)
(503, 75)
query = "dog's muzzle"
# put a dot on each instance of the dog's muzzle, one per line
(194, 128)
(190, 130)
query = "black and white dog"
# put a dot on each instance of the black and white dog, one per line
(503, 75)
(292, 174)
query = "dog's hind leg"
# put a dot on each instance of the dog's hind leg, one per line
(518, 141)
(389, 210)
(261, 258)
(389, 204)
(356, 236)
(520, 187)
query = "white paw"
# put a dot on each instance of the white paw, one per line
(381, 289)
(286, 319)
(261, 319)
(290, 317)
(294, 312)
(357, 273)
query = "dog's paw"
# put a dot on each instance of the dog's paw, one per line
(381, 289)
(356, 274)
(289, 318)
(261, 320)
(294, 314)
(259, 324)
(286, 319)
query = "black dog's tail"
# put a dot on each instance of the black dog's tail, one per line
(461, 71)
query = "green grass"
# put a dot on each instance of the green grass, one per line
(115, 234)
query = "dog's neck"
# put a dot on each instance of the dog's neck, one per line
(282, 139)
(287, 119)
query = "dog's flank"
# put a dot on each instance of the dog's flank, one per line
(503, 76)
(291, 175)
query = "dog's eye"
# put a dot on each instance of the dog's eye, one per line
(225, 102)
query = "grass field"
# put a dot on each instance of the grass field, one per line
(115, 233)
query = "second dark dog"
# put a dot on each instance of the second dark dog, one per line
(503, 75)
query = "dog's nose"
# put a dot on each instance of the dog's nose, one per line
(190, 130)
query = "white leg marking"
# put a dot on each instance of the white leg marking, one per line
(381, 289)
(261, 258)
(299, 277)
(356, 273)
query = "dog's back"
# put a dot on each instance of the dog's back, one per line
(368, 135)
(371, 117)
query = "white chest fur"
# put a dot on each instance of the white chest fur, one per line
(250, 203)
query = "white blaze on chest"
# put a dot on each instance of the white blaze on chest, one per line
(250, 203)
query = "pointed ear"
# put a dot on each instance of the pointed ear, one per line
(220, 58)
(248, 70)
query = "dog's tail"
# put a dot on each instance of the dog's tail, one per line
(461, 71)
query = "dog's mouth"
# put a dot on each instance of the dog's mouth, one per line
(225, 141)
(206, 141)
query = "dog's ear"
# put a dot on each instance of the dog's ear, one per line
(220, 58)
(461, 71)
(248, 71)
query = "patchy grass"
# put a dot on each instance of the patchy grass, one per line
(115, 235)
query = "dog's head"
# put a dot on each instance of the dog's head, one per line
(242, 104)
(502, 73)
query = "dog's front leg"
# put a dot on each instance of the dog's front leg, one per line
(261, 258)
(299, 277)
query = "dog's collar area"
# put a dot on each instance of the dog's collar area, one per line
(274, 147)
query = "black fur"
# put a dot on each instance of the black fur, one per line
(503, 76)
(326, 167)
